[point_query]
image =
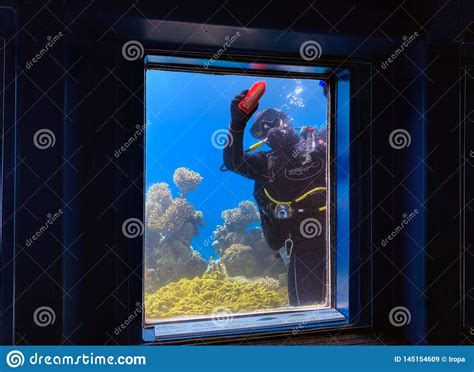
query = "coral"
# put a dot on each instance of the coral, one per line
(167, 215)
(216, 267)
(177, 260)
(204, 295)
(240, 279)
(237, 231)
(239, 260)
(237, 219)
(158, 199)
(186, 180)
(267, 282)
(171, 225)
(198, 218)
(175, 215)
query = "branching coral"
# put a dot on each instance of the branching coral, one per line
(165, 214)
(202, 295)
(171, 225)
(217, 267)
(186, 180)
(158, 199)
(267, 282)
(175, 216)
(237, 219)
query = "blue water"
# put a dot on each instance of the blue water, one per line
(184, 109)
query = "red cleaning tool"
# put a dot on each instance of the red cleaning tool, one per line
(251, 99)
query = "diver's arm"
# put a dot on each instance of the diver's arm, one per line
(235, 159)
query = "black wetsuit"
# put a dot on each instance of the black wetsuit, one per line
(286, 175)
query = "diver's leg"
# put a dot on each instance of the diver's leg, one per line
(309, 271)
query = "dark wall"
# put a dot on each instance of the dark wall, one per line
(91, 99)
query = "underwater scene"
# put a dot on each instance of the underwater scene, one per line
(227, 191)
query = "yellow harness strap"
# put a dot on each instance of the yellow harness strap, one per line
(309, 192)
(274, 200)
(298, 199)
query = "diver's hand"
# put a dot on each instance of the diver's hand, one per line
(239, 118)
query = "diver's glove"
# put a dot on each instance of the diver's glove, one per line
(238, 118)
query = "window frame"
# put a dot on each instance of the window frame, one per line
(8, 83)
(338, 78)
(466, 216)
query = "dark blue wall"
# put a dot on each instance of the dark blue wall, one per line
(91, 99)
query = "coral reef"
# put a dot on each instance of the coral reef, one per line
(237, 219)
(216, 267)
(158, 199)
(203, 295)
(237, 231)
(267, 282)
(175, 216)
(164, 214)
(246, 267)
(239, 260)
(176, 260)
(171, 225)
(186, 180)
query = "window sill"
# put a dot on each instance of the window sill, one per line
(296, 320)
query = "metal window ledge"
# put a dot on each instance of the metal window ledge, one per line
(210, 327)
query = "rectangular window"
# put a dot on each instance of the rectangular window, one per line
(239, 209)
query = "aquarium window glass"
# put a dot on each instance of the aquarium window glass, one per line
(237, 213)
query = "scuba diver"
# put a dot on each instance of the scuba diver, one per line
(290, 193)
